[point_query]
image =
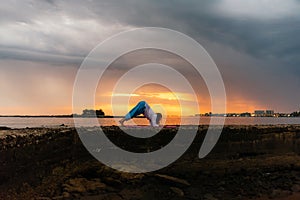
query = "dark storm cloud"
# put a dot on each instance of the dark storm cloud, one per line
(255, 45)
(260, 38)
(265, 37)
(52, 59)
(257, 53)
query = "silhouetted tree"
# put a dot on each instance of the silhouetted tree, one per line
(100, 113)
(295, 114)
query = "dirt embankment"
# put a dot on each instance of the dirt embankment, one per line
(247, 162)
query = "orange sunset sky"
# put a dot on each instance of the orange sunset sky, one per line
(44, 43)
(37, 89)
(165, 101)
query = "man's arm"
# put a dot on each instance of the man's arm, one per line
(153, 121)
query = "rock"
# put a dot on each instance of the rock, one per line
(177, 191)
(280, 193)
(209, 197)
(129, 176)
(137, 193)
(296, 188)
(82, 186)
(58, 197)
(112, 182)
(102, 197)
(74, 188)
(193, 193)
(94, 185)
(173, 179)
(66, 195)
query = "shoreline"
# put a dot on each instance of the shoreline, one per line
(247, 162)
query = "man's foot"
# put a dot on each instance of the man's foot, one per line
(122, 122)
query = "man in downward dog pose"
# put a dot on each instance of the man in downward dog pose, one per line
(143, 108)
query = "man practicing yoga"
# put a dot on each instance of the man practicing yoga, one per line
(143, 108)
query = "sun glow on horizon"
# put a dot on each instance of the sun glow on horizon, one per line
(160, 98)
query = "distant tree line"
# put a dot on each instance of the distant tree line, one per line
(295, 114)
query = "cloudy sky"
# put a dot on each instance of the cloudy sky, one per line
(255, 44)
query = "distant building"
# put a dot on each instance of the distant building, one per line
(246, 114)
(269, 113)
(259, 113)
(282, 115)
(264, 113)
(232, 115)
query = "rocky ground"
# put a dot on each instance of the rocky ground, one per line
(248, 162)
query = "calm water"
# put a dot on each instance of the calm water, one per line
(50, 122)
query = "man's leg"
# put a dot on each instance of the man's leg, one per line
(137, 110)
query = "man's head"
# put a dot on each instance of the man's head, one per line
(158, 118)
